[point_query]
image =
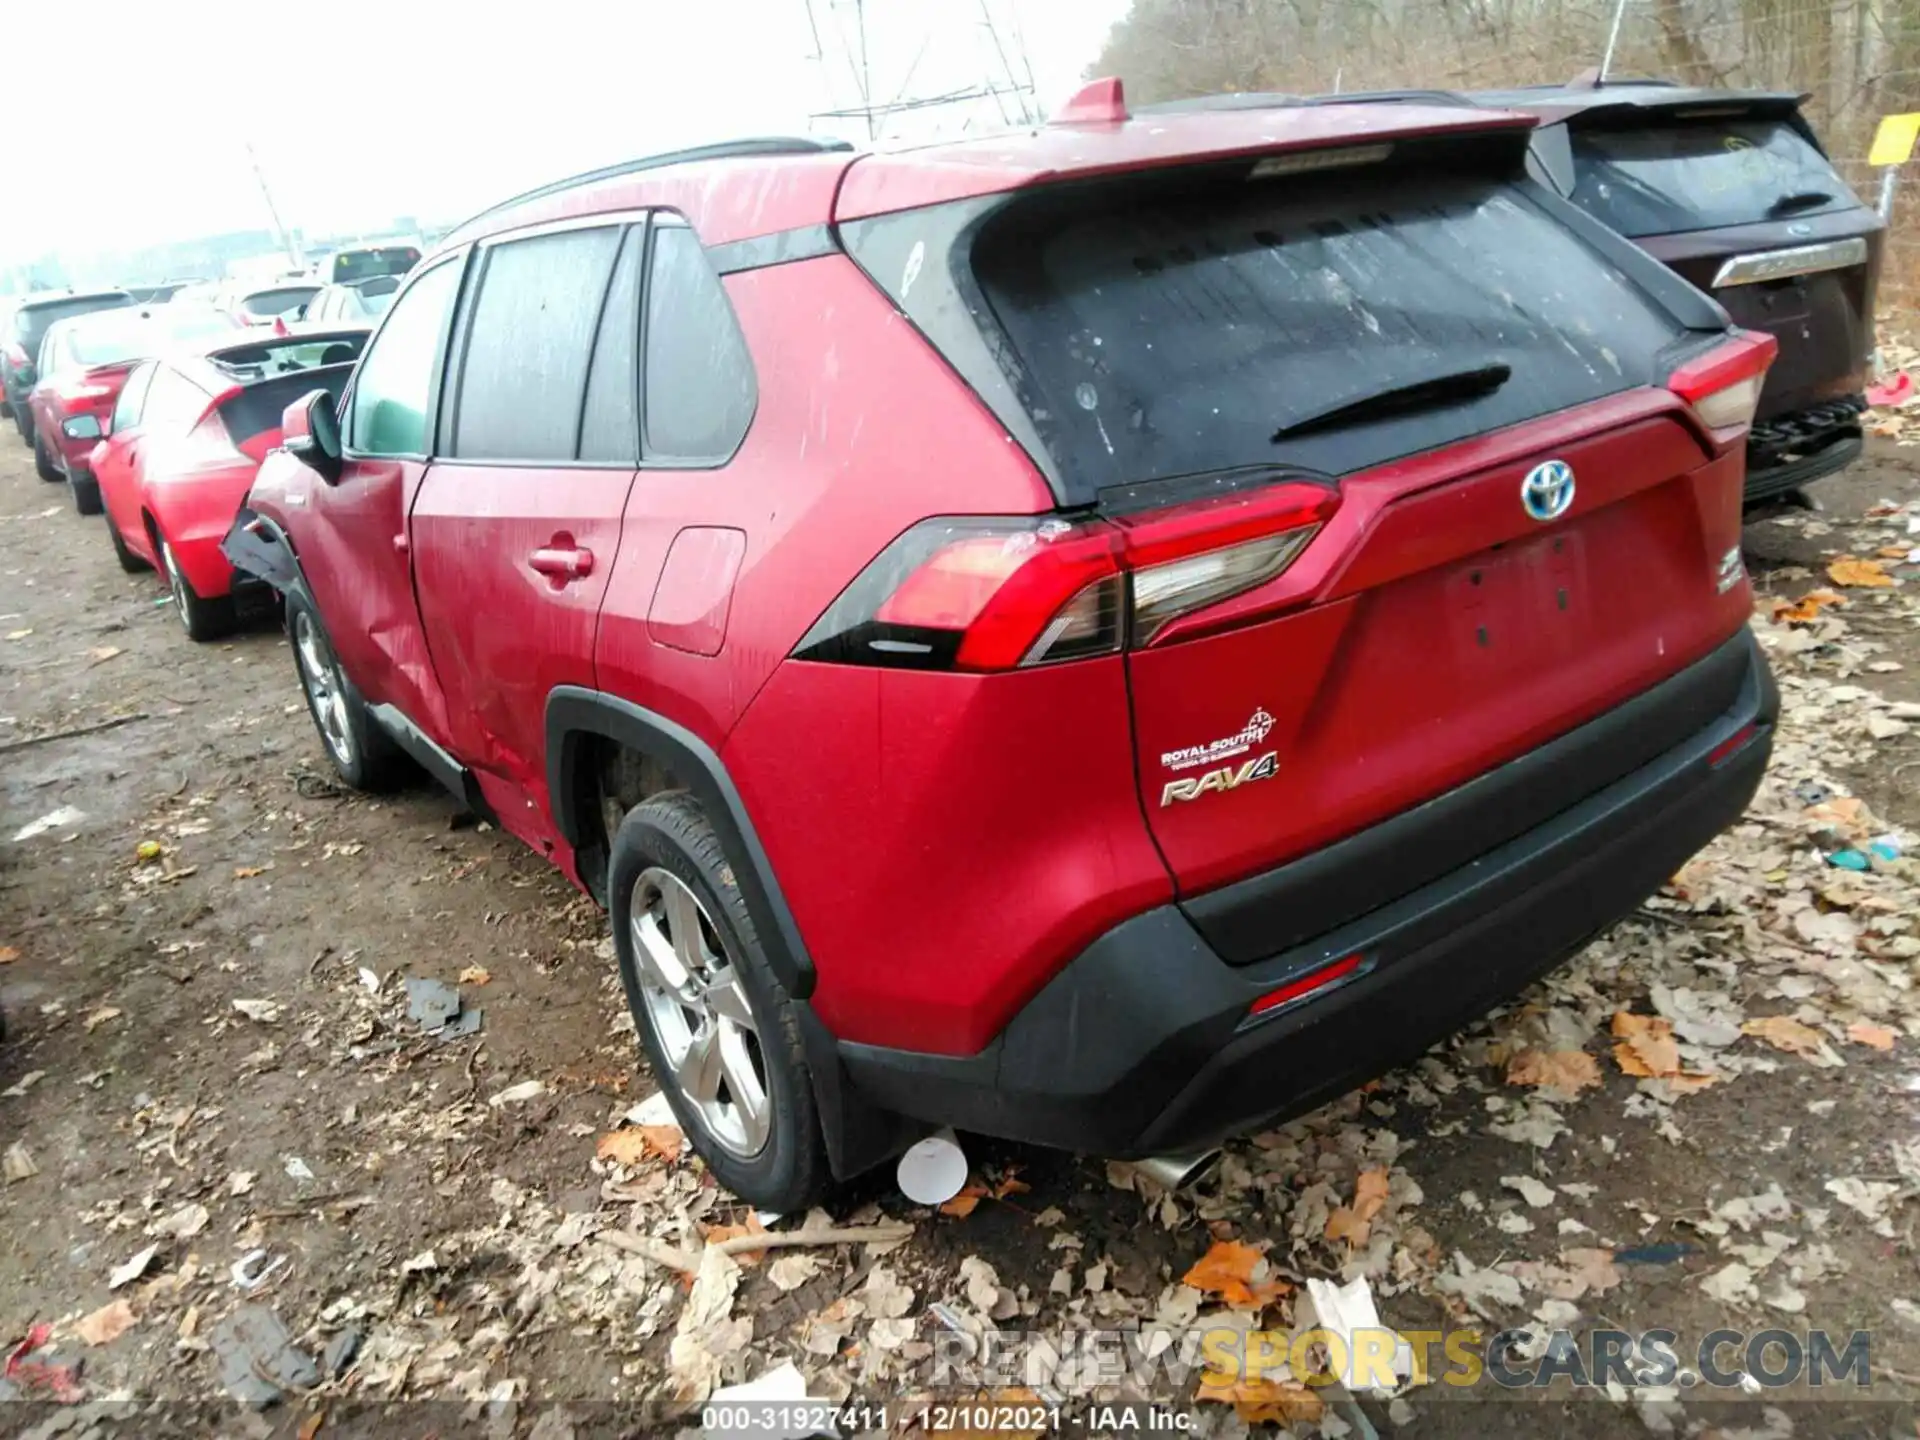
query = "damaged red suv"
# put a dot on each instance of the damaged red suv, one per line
(1103, 636)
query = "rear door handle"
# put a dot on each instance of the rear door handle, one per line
(562, 565)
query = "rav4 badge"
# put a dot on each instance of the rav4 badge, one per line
(1227, 777)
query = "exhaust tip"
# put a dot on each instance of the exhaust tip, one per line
(1171, 1172)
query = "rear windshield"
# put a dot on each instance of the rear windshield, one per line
(351, 265)
(1177, 335)
(1698, 174)
(279, 302)
(288, 357)
(30, 325)
(258, 407)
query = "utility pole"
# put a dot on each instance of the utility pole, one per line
(286, 241)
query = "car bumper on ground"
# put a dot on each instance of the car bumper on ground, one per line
(1146, 1043)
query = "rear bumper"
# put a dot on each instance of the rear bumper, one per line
(1143, 1043)
(1785, 452)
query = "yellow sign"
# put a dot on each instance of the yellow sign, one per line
(1893, 142)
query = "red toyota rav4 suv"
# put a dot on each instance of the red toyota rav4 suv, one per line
(1101, 636)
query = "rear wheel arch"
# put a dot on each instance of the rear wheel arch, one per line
(600, 747)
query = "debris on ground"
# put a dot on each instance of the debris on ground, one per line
(257, 1359)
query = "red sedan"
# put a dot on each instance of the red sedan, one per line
(179, 456)
(83, 363)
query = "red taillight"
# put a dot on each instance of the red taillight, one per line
(1310, 983)
(1732, 745)
(1723, 385)
(993, 593)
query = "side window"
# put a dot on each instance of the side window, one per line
(608, 425)
(394, 387)
(524, 370)
(133, 395)
(699, 377)
(173, 403)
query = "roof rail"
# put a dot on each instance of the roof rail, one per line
(726, 150)
(1229, 100)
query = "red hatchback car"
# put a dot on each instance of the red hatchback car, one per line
(184, 441)
(1102, 636)
(83, 362)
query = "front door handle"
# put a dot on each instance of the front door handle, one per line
(561, 565)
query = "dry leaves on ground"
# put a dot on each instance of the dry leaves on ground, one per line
(1863, 574)
(106, 1324)
(1237, 1273)
(1783, 1032)
(1807, 608)
(1565, 1072)
(1644, 1046)
(1353, 1223)
(1260, 1401)
(635, 1144)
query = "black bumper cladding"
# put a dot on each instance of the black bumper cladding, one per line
(1143, 1043)
(1788, 451)
(256, 549)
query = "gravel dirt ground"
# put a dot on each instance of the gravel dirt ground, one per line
(1706, 1120)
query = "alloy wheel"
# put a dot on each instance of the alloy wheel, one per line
(176, 586)
(320, 674)
(699, 1013)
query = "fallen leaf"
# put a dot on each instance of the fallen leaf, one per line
(106, 1324)
(1352, 1223)
(148, 850)
(310, 1426)
(1808, 607)
(133, 1269)
(1644, 1046)
(792, 1270)
(185, 1223)
(1227, 1270)
(247, 872)
(636, 1143)
(884, 1296)
(1783, 1032)
(1529, 1189)
(100, 654)
(8, 954)
(515, 1094)
(19, 634)
(966, 1202)
(100, 1017)
(1566, 1072)
(475, 975)
(1878, 1036)
(17, 1164)
(716, 1233)
(1867, 574)
(264, 1011)
(1257, 1400)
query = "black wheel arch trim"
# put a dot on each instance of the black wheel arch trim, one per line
(258, 545)
(575, 713)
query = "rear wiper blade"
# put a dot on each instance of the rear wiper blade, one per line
(1798, 200)
(1414, 395)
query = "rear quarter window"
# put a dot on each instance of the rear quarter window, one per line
(700, 387)
(1665, 178)
(1175, 335)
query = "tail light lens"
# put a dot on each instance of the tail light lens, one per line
(1000, 593)
(1723, 386)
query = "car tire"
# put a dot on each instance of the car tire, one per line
(23, 422)
(86, 494)
(43, 465)
(708, 991)
(204, 618)
(363, 754)
(129, 562)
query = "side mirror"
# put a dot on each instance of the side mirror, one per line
(310, 432)
(83, 427)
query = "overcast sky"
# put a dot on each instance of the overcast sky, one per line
(360, 110)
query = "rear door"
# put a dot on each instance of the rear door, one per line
(517, 526)
(1747, 207)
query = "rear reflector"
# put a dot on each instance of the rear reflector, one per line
(1723, 385)
(1308, 984)
(1003, 592)
(1732, 745)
